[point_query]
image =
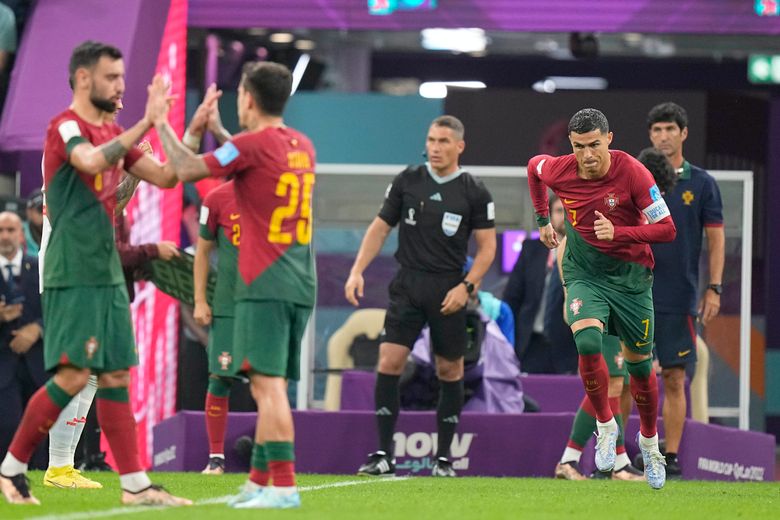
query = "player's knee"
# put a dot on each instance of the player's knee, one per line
(115, 379)
(392, 361)
(72, 380)
(674, 379)
(447, 370)
(588, 341)
(641, 369)
(220, 386)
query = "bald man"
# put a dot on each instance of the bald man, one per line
(21, 349)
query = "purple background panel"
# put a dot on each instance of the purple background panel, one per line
(649, 16)
(519, 445)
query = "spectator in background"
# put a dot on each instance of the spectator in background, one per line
(697, 209)
(33, 226)
(21, 348)
(543, 342)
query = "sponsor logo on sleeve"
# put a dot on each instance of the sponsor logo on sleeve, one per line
(204, 215)
(226, 154)
(656, 211)
(68, 130)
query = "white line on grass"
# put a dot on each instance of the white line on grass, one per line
(208, 501)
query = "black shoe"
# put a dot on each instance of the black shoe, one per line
(599, 475)
(443, 468)
(96, 462)
(215, 466)
(673, 468)
(378, 464)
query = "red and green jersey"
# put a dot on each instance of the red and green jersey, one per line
(219, 221)
(274, 179)
(627, 195)
(78, 243)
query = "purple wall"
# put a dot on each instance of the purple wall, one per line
(39, 87)
(651, 16)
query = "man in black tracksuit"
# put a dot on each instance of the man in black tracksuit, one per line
(436, 205)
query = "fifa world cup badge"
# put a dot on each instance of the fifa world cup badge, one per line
(91, 347)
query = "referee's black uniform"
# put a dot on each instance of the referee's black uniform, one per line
(435, 217)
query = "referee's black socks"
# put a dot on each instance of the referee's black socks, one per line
(448, 414)
(387, 397)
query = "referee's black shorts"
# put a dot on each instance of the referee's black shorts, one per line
(415, 299)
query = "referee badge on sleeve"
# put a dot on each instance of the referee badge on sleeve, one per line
(450, 223)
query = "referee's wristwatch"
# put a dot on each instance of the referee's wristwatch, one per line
(716, 288)
(469, 286)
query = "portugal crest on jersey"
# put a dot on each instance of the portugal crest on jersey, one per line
(611, 201)
(575, 306)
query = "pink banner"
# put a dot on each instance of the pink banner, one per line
(155, 215)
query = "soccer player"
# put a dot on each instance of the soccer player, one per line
(436, 205)
(608, 196)
(220, 228)
(85, 303)
(275, 289)
(585, 420)
(697, 209)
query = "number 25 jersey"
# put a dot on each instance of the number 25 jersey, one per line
(274, 180)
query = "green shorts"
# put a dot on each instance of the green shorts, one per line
(613, 355)
(88, 327)
(220, 347)
(629, 315)
(267, 337)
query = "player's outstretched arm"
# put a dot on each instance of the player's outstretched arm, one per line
(182, 162)
(374, 239)
(92, 160)
(200, 277)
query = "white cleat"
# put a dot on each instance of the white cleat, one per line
(606, 445)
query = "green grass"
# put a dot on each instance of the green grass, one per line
(461, 499)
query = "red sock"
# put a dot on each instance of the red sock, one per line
(260, 477)
(282, 472)
(595, 377)
(39, 416)
(645, 392)
(118, 424)
(216, 422)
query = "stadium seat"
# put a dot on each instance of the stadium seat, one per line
(364, 321)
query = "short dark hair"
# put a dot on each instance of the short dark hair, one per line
(668, 112)
(663, 171)
(451, 122)
(270, 85)
(87, 55)
(588, 120)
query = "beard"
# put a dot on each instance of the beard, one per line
(106, 105)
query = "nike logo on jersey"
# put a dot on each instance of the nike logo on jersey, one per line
(683, 353)
(436, 196)
(569, 201)
(234, 216)
(642, 343)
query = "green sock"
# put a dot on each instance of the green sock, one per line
(279, 450)
(259, 458)
(583, 427)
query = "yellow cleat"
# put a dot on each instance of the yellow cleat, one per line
(68, 477)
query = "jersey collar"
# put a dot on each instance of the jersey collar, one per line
(442, 180)
(684, 172)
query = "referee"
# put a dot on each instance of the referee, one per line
(436, 204)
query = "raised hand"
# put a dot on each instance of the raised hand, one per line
(159, 100)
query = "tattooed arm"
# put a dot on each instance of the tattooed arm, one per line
(124, 192)
(187, 166)
(95, 159)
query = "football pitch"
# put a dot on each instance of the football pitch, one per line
(346, 497)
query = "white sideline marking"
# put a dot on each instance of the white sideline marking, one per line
(208, 501)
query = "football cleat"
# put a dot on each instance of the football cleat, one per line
(606, 442)
(443, 468)
(655, 462)
(216, 466)
(16, 490)
(378, 464)
(153, 496)
(68, 477)
(568, 471)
